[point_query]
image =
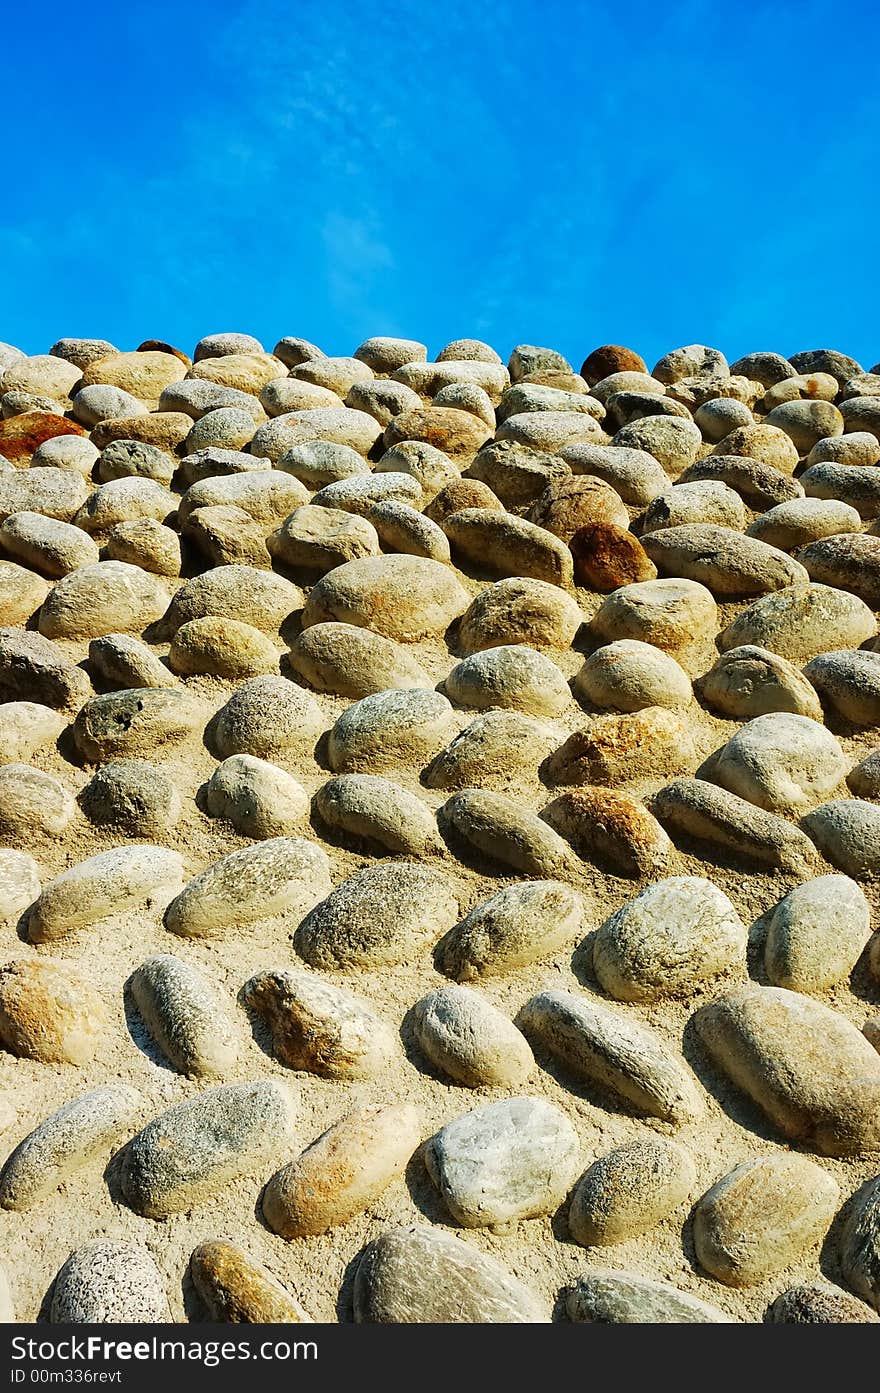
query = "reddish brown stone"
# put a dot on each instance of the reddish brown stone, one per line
(20, 435)
(160, 346)
(611, 357)
(572, 503)
(607, 556)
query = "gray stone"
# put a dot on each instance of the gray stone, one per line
(634, 474)
(258, 798)
(21, 592)
(292, 351)
(519, 610)
(497, 750)
(849, 561)
(184, 1158)
(135, 721)
(319, 539)
(102, 599)
(245, 593)
(353, 662)
(726, 562)
(132, 796)
(125, 500)
(510, 676)
(383, 400)
(705, 501)
(672, 441)
(184, 1015)
(27, 727)
(126, 662)
(507, 545)
(671, 614)
(109, 1282)
(56, 493)
(751, 681)
(145, 543)
(33, 669)
(227, 536)
(220, 345)
(268, 496)
(674, 936)
(32, 804)
(782, 762)
(519, 925)
(800, 622)
(386, 914)
(505, 832)
(51, 547)
(268, 716)
(618, 1055)
(854, 484)
(121, 881)
(102, 402)
(122, 459)
(627, 1298)
(320, 462)
(67, 452)
(864, 779)
(698, 809)
(471, 1042)
(860, 1244)
(405, 598)
(816, 934)
(819, 1303)
(321, 1029)
(629, 675)
(762, 1217)
(390, 729)
(759, 485)
(401, 528)
(849, 682)
(376, 810)
(65, 1142)
(629, 1191)
(804, 520)
(847, 832)
(805, 1066)
(363, 492)
(280, 876)
(419, 1275)
(503, 1162)
(19, 883)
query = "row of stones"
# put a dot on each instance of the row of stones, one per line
(502, 1163)
(811, 1072)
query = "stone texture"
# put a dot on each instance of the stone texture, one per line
(420, 1275)
(629, 1191)
(185, 1016)
(280, 876)
(506, 1161)
(521, 924)
(762, 1217)
(388, 913)
(344, 1172)
(813, 1074)
(613, 1053)
(187, 1155)
(676, 935)
(319, 1028)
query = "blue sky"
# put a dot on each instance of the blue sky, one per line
(563, 174)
